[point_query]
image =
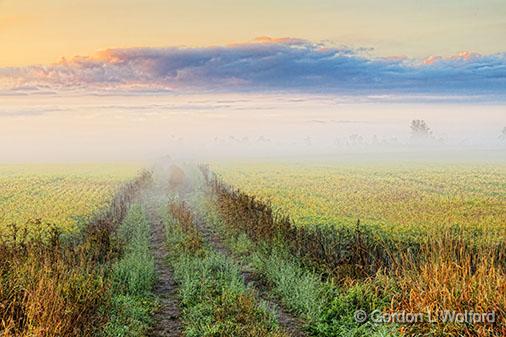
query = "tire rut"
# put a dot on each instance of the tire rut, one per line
(290, 324)
(166, 321)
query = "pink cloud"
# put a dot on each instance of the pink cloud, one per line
(460, 56)
(281, 40)
(266, 64)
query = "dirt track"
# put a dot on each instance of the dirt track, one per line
(166, 318)
(166, 321)
(290, 324)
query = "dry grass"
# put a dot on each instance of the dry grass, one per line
(446, 283)
(452, 269)
(48, 293)
(56, 286)
(194, 242)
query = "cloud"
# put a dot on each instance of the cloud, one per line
(267, 64)
(29, 112)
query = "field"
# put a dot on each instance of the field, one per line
(57, 230)
(57, 194)
(430, 240)
(403, 199)
(253, 249)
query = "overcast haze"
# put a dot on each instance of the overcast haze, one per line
(88, 128)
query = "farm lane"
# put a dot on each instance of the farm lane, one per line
(290, 324)
(166, 319)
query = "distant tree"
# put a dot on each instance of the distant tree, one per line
(419, 129)
(356, 140)
(263, 139)
(308, 141)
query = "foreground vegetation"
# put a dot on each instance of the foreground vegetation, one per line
(456, 267)
(60, 285)
(258, 262)
(214, 299)
(132, 278)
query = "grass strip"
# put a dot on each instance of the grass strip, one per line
(214, 299)
(132, 279)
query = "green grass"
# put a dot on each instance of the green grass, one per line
(129, 316)
(132, 278)
(326, 309)
(214, 299)
(301, 291)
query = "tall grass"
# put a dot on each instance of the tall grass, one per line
(48, 290)
(325, 309)
(453, 269)
(56, 285)
(446, 281)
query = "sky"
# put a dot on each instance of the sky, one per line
(124, 79)
(43, 31)
(266, 64)
(445, 47)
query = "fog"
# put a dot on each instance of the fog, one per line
(75, 127)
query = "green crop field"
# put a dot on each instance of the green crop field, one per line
(57, 194)
(401, 199)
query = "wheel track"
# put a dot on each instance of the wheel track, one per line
(166, 319)
(290, 324)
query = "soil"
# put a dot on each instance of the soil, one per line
(166, 321)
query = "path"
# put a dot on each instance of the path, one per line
(290, 324)
(166, 319)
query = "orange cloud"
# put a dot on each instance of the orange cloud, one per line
(109, 56)
(463, 56)
(284, 40)
(466, 55)
(267, 64)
